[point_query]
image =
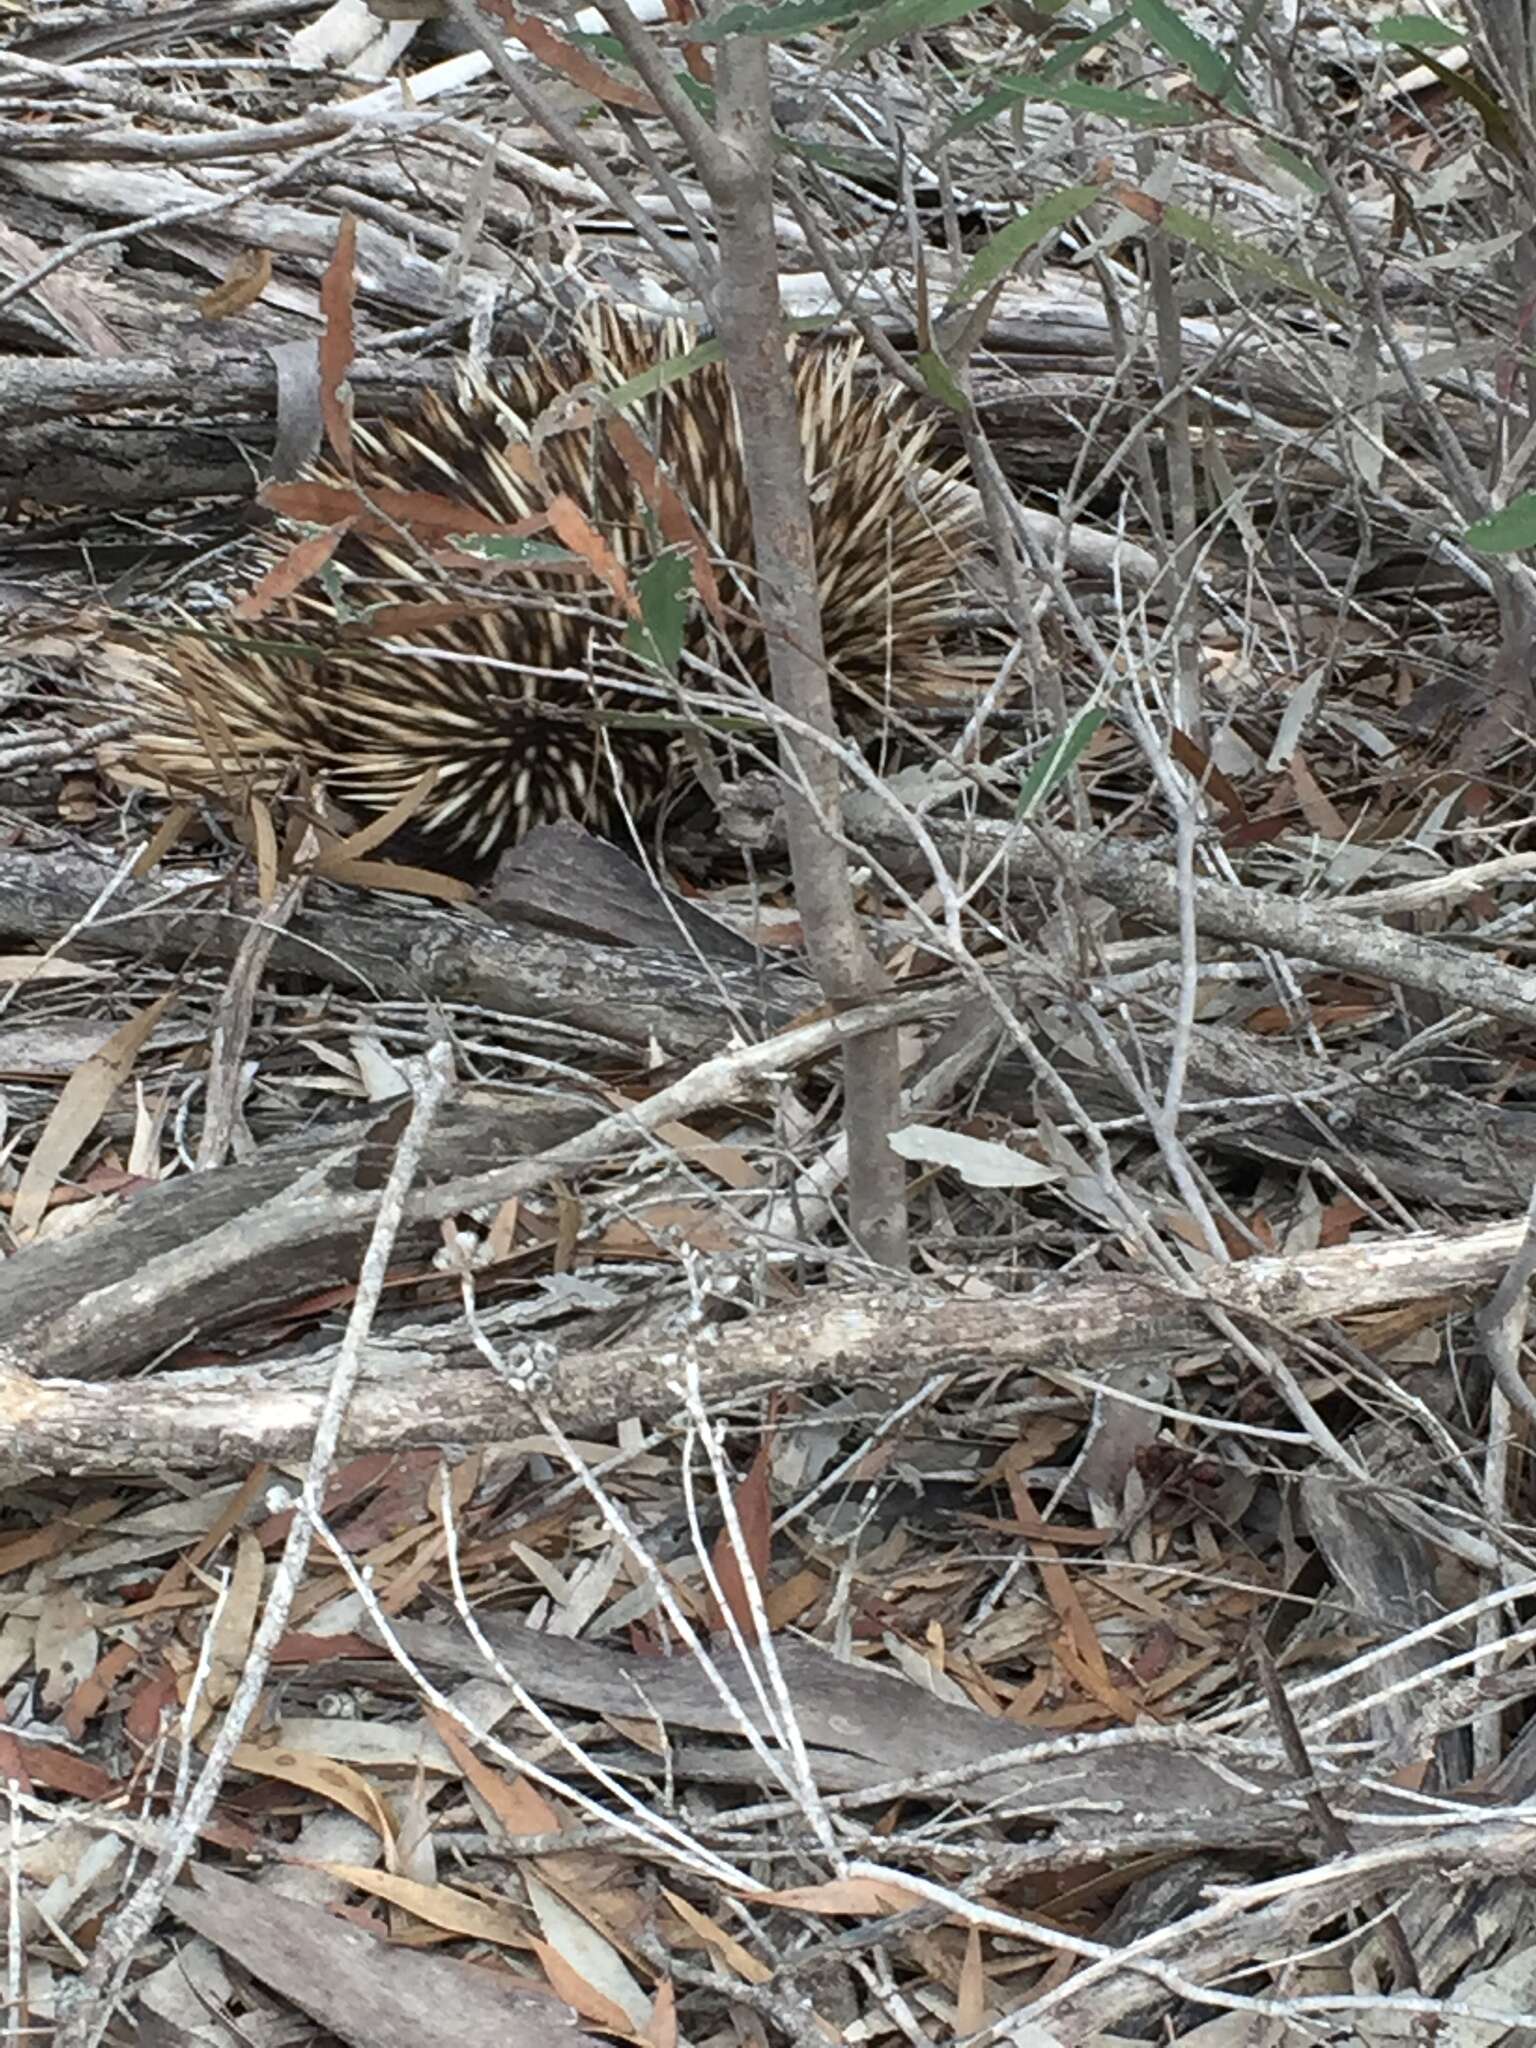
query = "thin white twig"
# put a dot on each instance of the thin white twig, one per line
(86, 2021)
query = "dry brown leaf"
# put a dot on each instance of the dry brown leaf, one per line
(338, 300)
(582, 1997)
(683, 13)
(1087, 1674)
(794, 1597)
(323, 1776)
(725, 1162)
(1192, 757)
(661, 2029)
(1338, 1219)
(754, 1515)
(306, 558)
(726, 1946)
(36, 1545)
(264, 839)
(971, 1997)
(395, 621)
(236, 1622)
(1135, 201)
(1380, 1331)
(1180, 1675)
(502, 1234)
(438, 1905)
(80, 1107)
(383, 511)
(377, 830)
(390, 875)
(348, 1484)
(174, 1581)
(94, 1690)
(859, 1896)
(20, 968)
(152, 1700)
(704, 1229)
(1078, 1643)
(560, 56)
(643, 1733)
(1318, 809)
(243, 284)
(576, 531)
(677, 528)
(519, 1806)
(600, 1980)
(568, 1220)
(39, 1765)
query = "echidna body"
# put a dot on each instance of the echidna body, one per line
(518, 693)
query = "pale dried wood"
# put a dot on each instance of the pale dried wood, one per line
(172, 1423)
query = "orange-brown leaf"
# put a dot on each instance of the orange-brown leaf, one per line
(677, 528)
(1193, 758)
(338, 298)
(1134, 200)
(859, 1896)
(754, 1513)
(748, 1967)
(576, 531)
(77, 1112)
(244, 282)
(306, 558)
(542, 42)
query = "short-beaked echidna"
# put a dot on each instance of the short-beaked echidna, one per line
(515, 685)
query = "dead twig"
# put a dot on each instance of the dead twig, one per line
(90, 2014)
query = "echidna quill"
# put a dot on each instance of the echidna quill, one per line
(518, 690)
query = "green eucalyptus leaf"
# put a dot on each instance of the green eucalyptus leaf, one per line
(1294, 166)
(1138, 110)
(1191, 52)
(1250, 256)
(1058, 761)
(664, 588)
(1507, 531)
(940, 380)
(1466, 85)
(1071, 54)
(897, 18)
(1000, 252)
(660, 375)
(1420, 32)
(495, 547)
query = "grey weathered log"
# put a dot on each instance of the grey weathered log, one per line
(396, 948)
(411, 1397)
(201, 385)
(46, 1315)
(1033, 859)
(900, 1731)
(1423, 1142)
(126, 465)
